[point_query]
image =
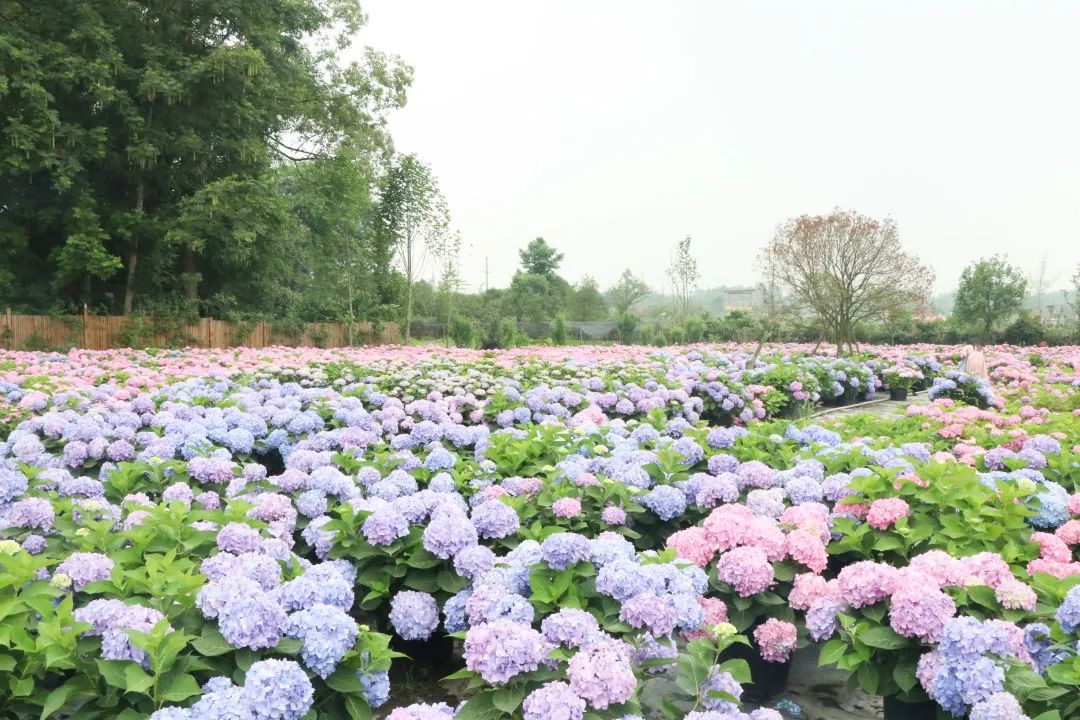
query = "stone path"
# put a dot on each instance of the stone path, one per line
(823, 693)
(880, 405)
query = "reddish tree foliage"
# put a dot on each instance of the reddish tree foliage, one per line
(845, 268)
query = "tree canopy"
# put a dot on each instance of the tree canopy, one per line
(627, 292)
(844, 268)
(161, 150)
(990, 292)
(539, 258)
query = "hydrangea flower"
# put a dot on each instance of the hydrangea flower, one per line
(503, 649)
(326, 632)
(414, 615)
(601, 673)
(554, 701)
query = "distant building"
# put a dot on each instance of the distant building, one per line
(739, 299)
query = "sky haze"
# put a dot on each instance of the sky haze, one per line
(613, 129)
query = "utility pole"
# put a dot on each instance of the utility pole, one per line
(485, 273)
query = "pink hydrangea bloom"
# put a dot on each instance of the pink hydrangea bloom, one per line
(566, 507)
(692, 544)
(988, 567)
(775, 640)
(807, 588)
(1015, 595)
(762, 532)
(1051, 547)
(885, 512)
(865, 583)
(1059, 570)
(945, 570)
(918, 610)
(1069, 533)
(726, 526)
(807, 549)
(746, 569)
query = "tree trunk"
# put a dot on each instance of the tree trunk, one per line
(191, 279)
(407, 333)
(133, 251)
(408, 312)
(352, 317)
(85, 290)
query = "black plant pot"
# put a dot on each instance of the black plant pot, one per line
(898, 393)
(896, 709)
(767, 679)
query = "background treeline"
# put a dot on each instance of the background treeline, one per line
(230, 159)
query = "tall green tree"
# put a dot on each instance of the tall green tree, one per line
(125, 121)
(415, 219)
(536, 298)
(539, 258)
(626, 293)
(586, 301)
(990, 292)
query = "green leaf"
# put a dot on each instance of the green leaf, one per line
(831, 652)
(904, 676)
(136, 679)
(23, 687)
(882, 637)
(508, 699)
(357, 708)
(345, 681)
(211, 643)
(113, 672)
(478, 707)
(181, 688)
(288, 646)
(58, 697)
(1048, 715)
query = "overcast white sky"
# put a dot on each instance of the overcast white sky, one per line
(614, 128)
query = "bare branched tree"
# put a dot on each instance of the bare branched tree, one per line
(684, 275)
(845, 268)
(1040, 283)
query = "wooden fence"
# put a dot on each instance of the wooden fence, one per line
(101, 332)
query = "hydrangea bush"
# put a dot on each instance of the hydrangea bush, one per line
(257, 534)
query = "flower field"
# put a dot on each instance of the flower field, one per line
(542, 533)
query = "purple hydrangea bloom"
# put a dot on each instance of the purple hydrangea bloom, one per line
(502, 649)
(570, 627)
(414, 615)
(563, 549)
(665, 502)
(255, 621)
(601, 673)
(278, 690)
(238, 538)
(494, 519)
(385, 526)
(651, 612)
(474, 561)
(327, 634)
(1068, 613)
(554, 701)
(85, 568)
(449, 532)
